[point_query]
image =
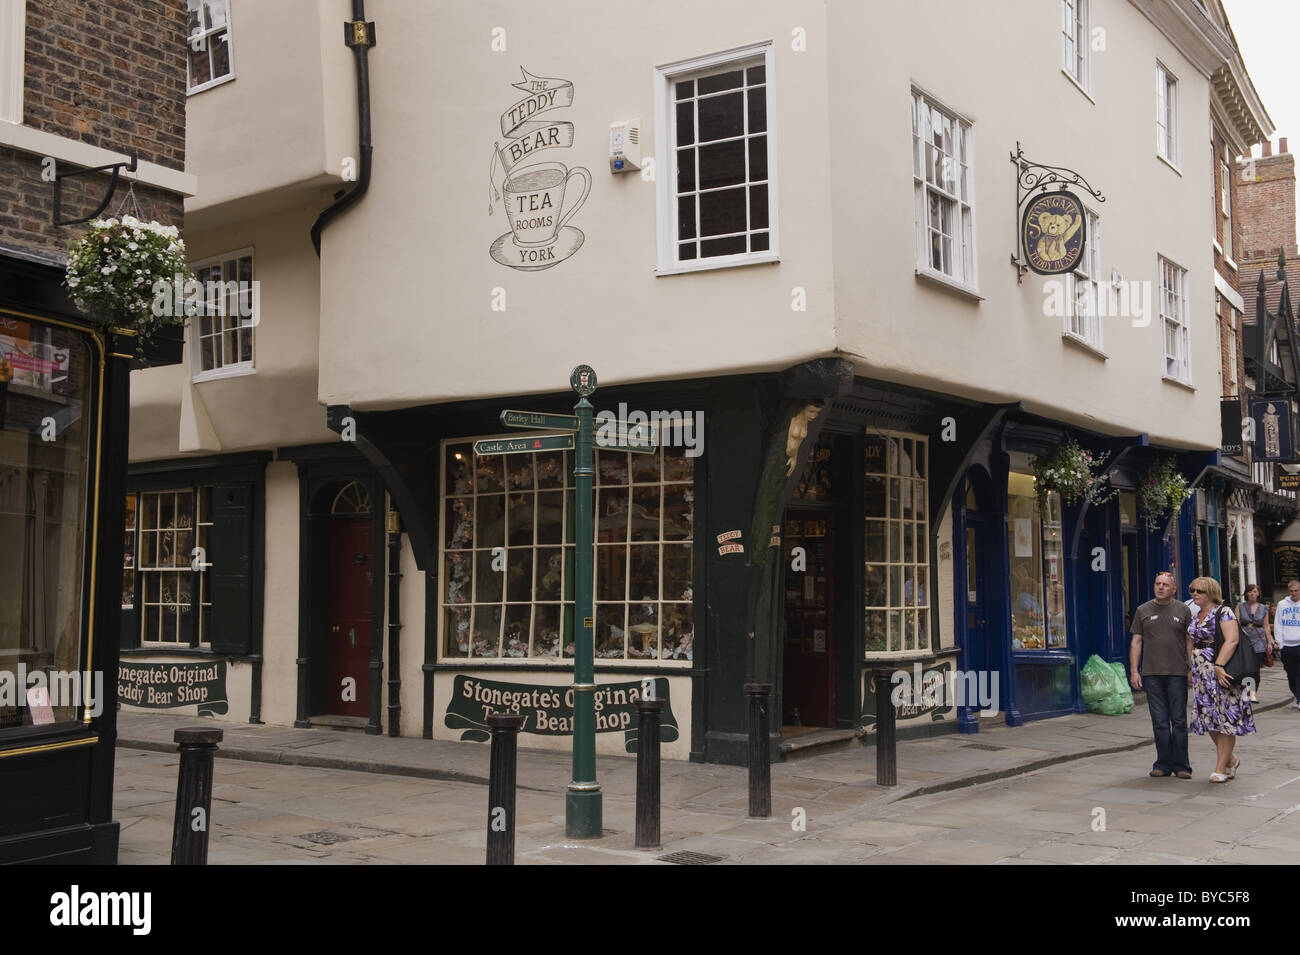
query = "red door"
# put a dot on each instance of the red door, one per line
(351, 588)
(809, 692)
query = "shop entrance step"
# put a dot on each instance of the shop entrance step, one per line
(809, 741)
(327, 721)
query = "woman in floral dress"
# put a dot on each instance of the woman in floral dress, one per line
(1219, 707)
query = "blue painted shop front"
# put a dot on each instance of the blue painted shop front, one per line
(1037, 592)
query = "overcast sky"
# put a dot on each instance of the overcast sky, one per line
(1267, 33)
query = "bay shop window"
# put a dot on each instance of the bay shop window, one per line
(507, 555)
(1036, 560)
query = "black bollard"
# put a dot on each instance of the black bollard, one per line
(198, 746)
(760, 753)
(647, 773)
(886, 734)
(501, 788)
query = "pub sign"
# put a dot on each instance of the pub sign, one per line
(1274, 433)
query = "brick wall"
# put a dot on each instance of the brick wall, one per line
(1265, 196)
(110, 74)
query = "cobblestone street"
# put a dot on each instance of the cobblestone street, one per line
(1078, 809)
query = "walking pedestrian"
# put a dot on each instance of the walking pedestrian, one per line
(1219, 706)
(1286, 629)
(1252, 615)
(1162, 642)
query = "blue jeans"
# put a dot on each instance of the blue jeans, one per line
(1167, 701)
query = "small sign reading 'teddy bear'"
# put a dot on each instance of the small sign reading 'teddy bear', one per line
(533, 193)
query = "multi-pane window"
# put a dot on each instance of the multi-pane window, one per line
(508, 555)
(897, 604)
(208, 49)
(1230, 382)
(722, 203)
(1225, 199)
(1173, 315)
(941, 172)
(1083, 318)
(225, 321)
(1074, 39)
(164, 574)
(1166, 114)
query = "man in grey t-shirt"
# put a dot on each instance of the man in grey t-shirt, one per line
(1161, 641)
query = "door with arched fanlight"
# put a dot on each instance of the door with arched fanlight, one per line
(351, 607)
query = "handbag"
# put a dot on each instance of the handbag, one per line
(1268, 657)
(1244, 662)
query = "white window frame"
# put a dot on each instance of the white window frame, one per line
(1086, 329)
(665, 75)
(1166, 115)
(965, 251)
(1076, 48)
(892, 472)
(232, 369)
(13, 36)
(1230, 385)
(1173, 307)
(200, 535)
(204, 36)
(1225, 205)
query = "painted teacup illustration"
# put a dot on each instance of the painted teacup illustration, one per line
(534, 201)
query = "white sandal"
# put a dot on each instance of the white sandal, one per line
(1219, 777)
(1232, 770)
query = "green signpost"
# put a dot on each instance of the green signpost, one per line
(583, 802)
(525, 444)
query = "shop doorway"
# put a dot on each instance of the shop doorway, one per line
(979, 589)
(809, 655)
(351, 601)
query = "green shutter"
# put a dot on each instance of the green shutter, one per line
(230, 553)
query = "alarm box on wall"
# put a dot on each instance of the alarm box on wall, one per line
(625, 145)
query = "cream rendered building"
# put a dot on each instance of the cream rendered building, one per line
(808, 270)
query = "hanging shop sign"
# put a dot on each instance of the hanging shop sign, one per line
(548, 709)
(1284, 480)
(1230, 441)
(1053, 231)
(167, 685)
(1053, 222)
(1286, 563)
(1274, 430)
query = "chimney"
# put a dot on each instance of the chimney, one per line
(1281, 146)
(1268, 148)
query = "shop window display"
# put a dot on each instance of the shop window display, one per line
(517, 602)
(897, 605)
(1037, 567)
(45, 431)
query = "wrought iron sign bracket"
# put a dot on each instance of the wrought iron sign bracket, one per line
(1036, 178)
(115, 168)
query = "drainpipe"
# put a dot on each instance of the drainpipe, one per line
(394, 622)
(360, 36)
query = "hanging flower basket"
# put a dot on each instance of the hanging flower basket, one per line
(1161, 491)
(1074, 474)
(125, 274)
